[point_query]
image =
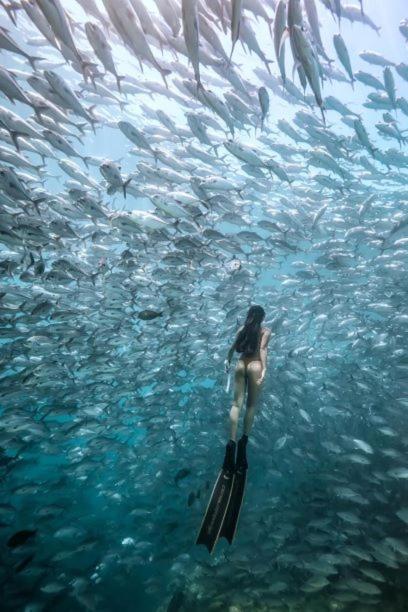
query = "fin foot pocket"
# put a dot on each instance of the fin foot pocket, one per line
(242, 462)
(229, 459)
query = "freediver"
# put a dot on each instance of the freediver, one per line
(223, 509)
(251, 342)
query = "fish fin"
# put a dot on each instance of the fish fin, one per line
(284, 37)
(296, 65)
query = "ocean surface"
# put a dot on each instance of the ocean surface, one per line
(167, 164)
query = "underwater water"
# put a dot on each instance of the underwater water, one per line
(151, 190)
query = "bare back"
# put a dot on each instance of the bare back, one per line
(256, 355)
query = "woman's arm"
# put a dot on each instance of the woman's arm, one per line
(262, 353)
(232, 349)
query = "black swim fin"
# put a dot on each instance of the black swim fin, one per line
(219, 501)
(229, 526)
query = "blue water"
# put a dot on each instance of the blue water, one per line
(112, 428)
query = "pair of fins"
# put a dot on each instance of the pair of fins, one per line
(222, 513)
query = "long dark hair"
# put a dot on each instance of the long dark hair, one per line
(248, 337)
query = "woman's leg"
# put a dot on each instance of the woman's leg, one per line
(254, 369)
(239, 394)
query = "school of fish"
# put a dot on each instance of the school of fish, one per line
(164, 164)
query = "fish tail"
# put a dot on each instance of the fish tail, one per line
(232, 51)
(176, 223)
(39, 199)
(80, 127)
(118, 80)
(37, 111)
(10, 10)
(267, 62)
(14, 135)
(322, 109)
(200, 86)
(32, 61)
(93, 80)
(92, 120)
(164, 73)
(215, 147)
(373, 151)
(125, 184)
(85, 65)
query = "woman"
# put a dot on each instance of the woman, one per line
(251, 341)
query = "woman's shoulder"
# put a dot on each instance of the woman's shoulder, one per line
(266, 330)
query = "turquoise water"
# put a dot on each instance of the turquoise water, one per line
(113, 425)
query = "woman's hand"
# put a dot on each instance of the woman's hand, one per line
(261, 378)
(226, 365)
